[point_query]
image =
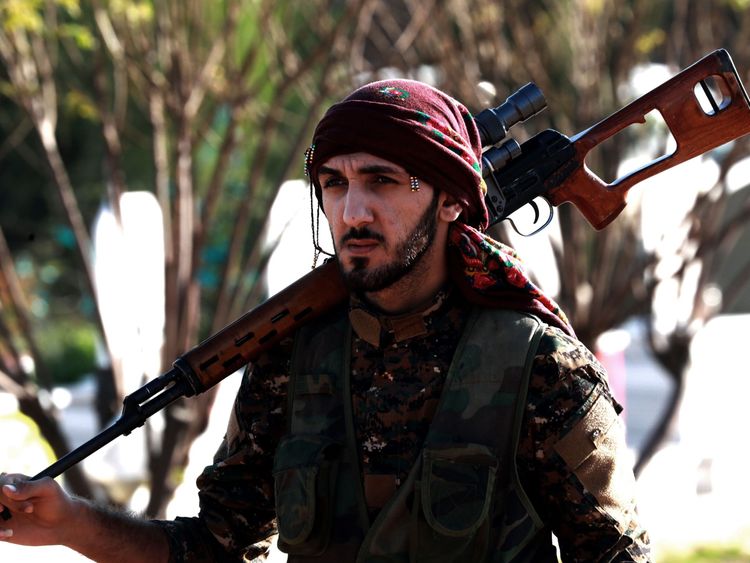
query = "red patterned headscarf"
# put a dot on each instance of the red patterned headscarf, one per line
(491, 274)
(412, 124)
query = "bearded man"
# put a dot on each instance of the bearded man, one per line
(446, 413)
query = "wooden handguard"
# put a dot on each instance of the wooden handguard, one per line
(257, 330)
(695, 131)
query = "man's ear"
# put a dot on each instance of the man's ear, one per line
(449, 209)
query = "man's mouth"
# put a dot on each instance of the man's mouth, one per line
(360, 247)
(361, 243)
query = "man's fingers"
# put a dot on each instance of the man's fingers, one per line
(9, 498)
(15, 479)
(10, 488)
(15, 491)
(20, 503)
(21, 488)
(19, 495)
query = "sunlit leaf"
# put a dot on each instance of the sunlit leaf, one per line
(647, 42)
(77, 103)
(78, 33)
(133, 12)
(21, 15)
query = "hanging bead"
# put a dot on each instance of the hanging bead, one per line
(309, 152)
(414, 183)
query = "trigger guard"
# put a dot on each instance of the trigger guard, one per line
(537, 213)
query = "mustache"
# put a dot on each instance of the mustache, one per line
(361, 233)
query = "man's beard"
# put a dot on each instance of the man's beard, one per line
(408, 254)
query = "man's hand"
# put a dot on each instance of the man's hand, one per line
(42, 512)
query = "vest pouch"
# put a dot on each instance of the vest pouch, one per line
(305, 469)
(452, 502)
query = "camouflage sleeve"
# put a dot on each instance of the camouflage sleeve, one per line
(572, 456)
(237, 514)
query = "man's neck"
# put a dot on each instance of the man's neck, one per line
(417, 288)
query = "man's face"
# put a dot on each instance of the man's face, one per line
(380, 227)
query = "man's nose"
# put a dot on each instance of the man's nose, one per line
(357, 208)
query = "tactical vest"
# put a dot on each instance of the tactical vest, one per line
(462, 499)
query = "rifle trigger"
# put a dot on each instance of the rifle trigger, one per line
(535, 207)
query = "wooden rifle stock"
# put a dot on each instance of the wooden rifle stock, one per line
(256, 331)
(695, 131)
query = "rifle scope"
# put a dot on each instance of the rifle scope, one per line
(494, 123)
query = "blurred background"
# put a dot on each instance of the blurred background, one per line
(150, 193)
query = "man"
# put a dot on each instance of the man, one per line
(446, 414)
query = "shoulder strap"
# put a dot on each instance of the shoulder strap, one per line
(488, 374)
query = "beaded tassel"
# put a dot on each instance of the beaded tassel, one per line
(414, 183)
(309, 152)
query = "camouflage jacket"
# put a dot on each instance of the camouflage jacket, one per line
(396, 384)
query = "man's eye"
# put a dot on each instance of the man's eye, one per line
(333, 182)
(384, 180)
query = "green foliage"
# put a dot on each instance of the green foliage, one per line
(738, 5)
(78, 33)
(69, 350)
(28, 15)
(78, 103)
(21, 15)
(649, 41)
(136, 13)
